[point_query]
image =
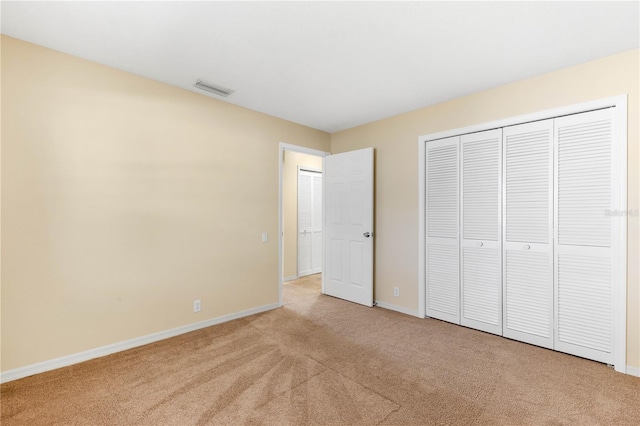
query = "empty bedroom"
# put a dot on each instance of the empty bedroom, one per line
(338, 213)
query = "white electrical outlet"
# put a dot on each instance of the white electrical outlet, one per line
(196, 305)
(265, 237)
(396, 291)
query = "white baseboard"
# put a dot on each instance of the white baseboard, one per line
(41, 367)
(290, 278)
(413, 313)
(633, 371)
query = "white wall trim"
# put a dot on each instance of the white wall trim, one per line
(620, 271)
(400, 309)
(290, 278)
(302, 149)
(527, 118)
(309, 169)
(52, 364)
(422, 233)
(282, 147)
(619, 240)
(633, 371)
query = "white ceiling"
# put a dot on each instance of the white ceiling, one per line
(331, 65)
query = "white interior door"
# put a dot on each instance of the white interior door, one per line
(583, 243)
(481, 255)
(348, 248)
(443, 277)
(528, 233)
(309, 222)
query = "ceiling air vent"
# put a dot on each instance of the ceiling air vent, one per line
(218, 90)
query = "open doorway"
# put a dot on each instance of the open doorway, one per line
(301, 289)
(301, 222)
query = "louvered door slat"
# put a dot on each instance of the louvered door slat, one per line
(481, 280)
(528, 307)
(584, 162)
(584, 303)
(442, 190)
(529, 175)
(583, 255)
(527, 248)
(443, 283)
(482, 290)
(481, 186)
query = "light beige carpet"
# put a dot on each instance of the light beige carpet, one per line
(320, 360)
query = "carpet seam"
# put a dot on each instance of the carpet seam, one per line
(387, 416)
(361, 384)
(337, 372)
(291, 389)
(342, 375)
(236, 398)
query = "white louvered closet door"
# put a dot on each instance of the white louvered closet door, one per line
(527, 229)
(316, 224)
(309, 222)
(443, 286)
(583, 252)
(305, 204)
(481, 255)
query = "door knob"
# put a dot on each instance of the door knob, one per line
(480, 244)
(526, 246)
(366, 234)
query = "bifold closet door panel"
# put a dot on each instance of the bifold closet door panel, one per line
(481, 283)
(527, 232)
(309, 222)
(316, 224)
(442, 252)
(583, 253)
(305, 204)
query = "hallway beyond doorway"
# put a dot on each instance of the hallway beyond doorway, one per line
(302, 288)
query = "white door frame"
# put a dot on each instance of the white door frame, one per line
(282, 147)
(619, 242)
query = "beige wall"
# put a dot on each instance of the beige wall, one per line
(0, 206)
(290, 203)
(123, 200)
(396, 142)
